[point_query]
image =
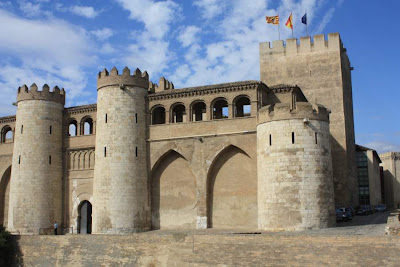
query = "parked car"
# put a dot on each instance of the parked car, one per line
(381, 207)
(364, 210)
(346, 214)
(339, 215)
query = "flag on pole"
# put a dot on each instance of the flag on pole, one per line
(304, 19)
(289, 22)
(273, 20)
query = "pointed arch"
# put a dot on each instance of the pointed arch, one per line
(4, 196)
(173, 193)
(232, 190)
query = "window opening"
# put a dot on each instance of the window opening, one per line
(292, 137)
(88, 126)
(7, 134)
(50, 160)
(158, 115)
(73, 128)
(220, 109)
(105, 151)
(50, 129)
(136, 117)
(316, 138)
(199, 111)
(270, 140)
(136, 151)
(19, 159)
(179, 113)
(242, 107)
(106, 117)
(22, 129)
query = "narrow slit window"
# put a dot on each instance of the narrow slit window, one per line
(316, 138)
(22, 129)
(292, 137)
(270, 140)
(136, 117)
(105, 151)
(50, 160)
(50, 129)
(106, 117)
(19, 159)
(136, 151)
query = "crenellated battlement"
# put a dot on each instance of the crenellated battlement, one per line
(301, 110)
(163, 85)
(112, 78)
(292, 45)
(33, 93)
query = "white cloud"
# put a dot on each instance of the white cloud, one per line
(150, 46)
(103, 34)
(84, 11)
(153, 54)
(239, 26)
(156, 16)
(30, 9)
(43, 51)
(188, 35)
(210, 8)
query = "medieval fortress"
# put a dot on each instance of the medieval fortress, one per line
(275, 154)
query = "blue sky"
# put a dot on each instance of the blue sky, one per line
(193, 43)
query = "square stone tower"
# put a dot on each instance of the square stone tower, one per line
(322, 71)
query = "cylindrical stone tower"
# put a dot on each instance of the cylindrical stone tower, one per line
(294, 168)
(36, 175)
(120, 194)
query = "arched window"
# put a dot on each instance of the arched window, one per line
(198, 111)
(158, 115)
(6, 134)
(220, 109)
(178, 113)
(87, 126)
(242, 106)
(73, 128)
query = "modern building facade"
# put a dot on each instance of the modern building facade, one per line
(368, 176)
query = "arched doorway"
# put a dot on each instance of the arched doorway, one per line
(4, 196)
(85, 218)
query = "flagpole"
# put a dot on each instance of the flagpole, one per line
(306, 23)
(279, 34)
(291, 14)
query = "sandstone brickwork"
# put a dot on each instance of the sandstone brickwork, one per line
(36, 175)
(120, 195)
(148, 156)
(294, 168)
(322, 70)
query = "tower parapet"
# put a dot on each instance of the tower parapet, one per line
(301, 110)
(306, 45)
(112, 78)
(56, 95)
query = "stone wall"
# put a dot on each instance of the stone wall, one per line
(391, 173)
(294, 169)
(374, 175)
(120, 191)
(188, 249)
(213, 175)
(322, 71)
(35, 192)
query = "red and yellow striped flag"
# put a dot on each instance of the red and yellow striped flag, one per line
(274, 20)
(289, 22)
